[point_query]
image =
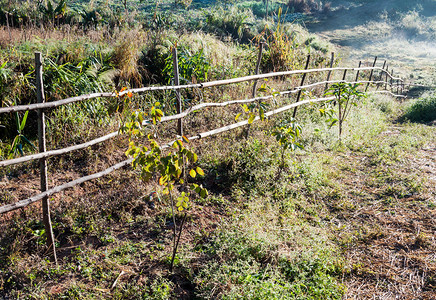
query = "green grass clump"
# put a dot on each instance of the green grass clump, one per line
(423, 110)
(244, 264)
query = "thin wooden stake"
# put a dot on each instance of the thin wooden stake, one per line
(7, 24)
(370, 74)
(398, 86)
(177, 82)
(358, 71)
(330, 72)
(381, 74)
(386, 82)
(392, 81)
(345, 75)
(302, 82)
(42, 161)
(257, 70)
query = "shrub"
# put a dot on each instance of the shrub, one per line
(423, 110)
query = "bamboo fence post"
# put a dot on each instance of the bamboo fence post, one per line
(302, 82)
(42, 161)
(330, 72)
(178, 98)
(370, 74)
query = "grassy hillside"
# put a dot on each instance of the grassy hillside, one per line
(399, 31)
(330, 220)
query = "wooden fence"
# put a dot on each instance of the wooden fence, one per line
(385, 79)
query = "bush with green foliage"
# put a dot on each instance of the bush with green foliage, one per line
(422, 110)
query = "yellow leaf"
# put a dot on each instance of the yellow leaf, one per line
(192, 173)
(185, 139)
(200, 171)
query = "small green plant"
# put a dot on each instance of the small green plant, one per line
(193, 67)
(258, 107)
(287, 134)
(20, 140)
(345, 95)
(169, 167)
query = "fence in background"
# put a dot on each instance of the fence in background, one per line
(379, 76)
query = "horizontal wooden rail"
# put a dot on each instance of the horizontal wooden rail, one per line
(257, 118)
(57, 189)
(176, 117)
(51, 153)
(387, 92)
(53, 104)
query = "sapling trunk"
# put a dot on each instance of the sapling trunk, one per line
(340, 116)
(176, 245)
(174, 229)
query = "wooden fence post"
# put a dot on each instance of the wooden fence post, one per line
(330, 72)
(257, 70)
(370, 74)
(391, 81)
(358, 71)
(381, 74)
(386, 78)
(345, 75)
(42, 161)
(7, 25)
(178, 97)
(302, 82)
(398, 86)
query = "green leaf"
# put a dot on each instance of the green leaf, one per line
(251, 118)
(192, 173)
(28, 142)
(203, 193)
(23, 122)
